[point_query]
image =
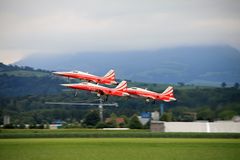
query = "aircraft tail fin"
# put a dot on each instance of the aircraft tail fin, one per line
(110, 75)
(168, 94)
(121, 86)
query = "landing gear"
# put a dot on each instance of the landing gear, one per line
(76, 93)
(106, 98)
(148, 100)
(102, 96)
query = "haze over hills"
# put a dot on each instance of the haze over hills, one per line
(195, 64)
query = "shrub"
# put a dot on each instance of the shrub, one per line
(101, 125)
(135, 123)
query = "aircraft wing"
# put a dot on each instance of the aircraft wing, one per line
(146, 96)
(149, 96)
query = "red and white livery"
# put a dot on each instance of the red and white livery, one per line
(101, 90)
(166, 96)
(108, 79)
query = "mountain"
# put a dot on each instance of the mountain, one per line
(21, 81)
(195, 64)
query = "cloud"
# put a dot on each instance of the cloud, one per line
(61, 26)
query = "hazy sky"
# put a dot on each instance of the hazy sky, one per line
(69, 26)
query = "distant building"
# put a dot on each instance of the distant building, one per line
(236, 118)
(118, 121)
(198, 126)
(143, 120)
(157, 126)
(145, 115)
(57, 124)
(155, 116)
(6, 120)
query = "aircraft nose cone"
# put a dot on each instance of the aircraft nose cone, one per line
(66, 85)
(57, 73)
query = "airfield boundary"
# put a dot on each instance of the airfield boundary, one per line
(65, 133)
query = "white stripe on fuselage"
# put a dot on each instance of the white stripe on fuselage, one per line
(143, 90)
(90, 84)
(83, 73)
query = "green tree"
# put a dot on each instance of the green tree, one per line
(113, 116)
(167, 116)
(205, 114)
(236, 85)
(227, 114)
(134, 123)
(181, 84)
(126, 119)
(101, 125)
(223, 84)
(111, 124)
(92, 118)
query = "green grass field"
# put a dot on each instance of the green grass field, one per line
(119, 148)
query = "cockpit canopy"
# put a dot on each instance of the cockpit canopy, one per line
(75, 71)
(135, 88)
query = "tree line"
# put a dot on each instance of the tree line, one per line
(192, 104)
(23, 98)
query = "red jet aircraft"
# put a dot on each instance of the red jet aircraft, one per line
(101, 90)
(166, 96)
(108, 79)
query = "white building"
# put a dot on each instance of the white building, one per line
(198, 126)
(155, 116)
(143, 120)
(6, 119)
